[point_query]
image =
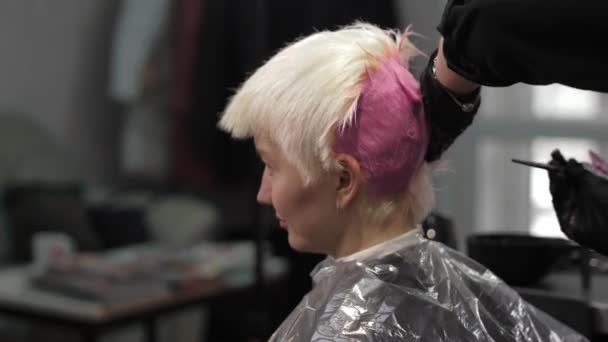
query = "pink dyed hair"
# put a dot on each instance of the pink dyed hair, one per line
(388, 134)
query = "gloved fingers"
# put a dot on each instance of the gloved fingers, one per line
(561, 186)
(580, 199)
(557, 158)
(557, 178)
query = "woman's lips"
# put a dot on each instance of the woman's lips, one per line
(282, 222)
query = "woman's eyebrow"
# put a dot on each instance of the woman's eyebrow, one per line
(260, 151)
(262, 154)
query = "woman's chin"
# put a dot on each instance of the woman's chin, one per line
(299, 244)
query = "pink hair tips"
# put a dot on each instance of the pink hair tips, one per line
(388, 134)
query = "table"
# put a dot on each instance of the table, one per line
(19, 299)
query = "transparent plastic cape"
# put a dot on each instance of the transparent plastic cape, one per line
(413, 289)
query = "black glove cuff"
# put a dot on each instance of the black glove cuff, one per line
(446, 117)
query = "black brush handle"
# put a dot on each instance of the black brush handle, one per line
(537, 165)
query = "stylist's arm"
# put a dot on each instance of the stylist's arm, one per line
(504, 42)
(449, 79)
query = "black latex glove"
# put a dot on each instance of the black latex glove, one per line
(503, 42)
(446, 120)
(580, 200)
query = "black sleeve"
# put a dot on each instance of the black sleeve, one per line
(448, 115)
(503, 42)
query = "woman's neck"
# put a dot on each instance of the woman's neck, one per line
(360, 234)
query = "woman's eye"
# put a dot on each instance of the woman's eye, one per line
(269, 170)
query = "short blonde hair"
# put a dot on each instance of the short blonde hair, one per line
(309, 91)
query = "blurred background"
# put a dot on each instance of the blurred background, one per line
(108, 112)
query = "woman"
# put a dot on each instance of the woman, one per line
(338, 120)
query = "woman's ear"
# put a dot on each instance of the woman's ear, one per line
(349, 180)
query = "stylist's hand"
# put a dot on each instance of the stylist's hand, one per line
(580, 200)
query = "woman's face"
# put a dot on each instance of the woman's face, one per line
(308, 213)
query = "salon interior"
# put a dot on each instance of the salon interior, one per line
(127, 215)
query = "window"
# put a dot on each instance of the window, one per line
(557, 102)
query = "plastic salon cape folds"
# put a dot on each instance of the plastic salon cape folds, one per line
(413, 289)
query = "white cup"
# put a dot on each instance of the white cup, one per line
(50, 248)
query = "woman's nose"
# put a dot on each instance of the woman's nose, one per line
(265, 191)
